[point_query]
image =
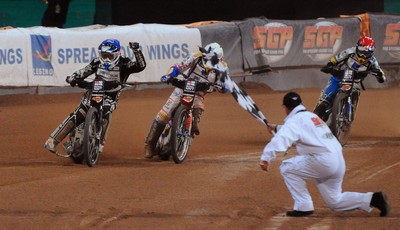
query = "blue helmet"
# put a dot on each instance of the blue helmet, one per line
(109, 52)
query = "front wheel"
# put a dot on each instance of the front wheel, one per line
(91, 137)
(343, 113)
(180, 136)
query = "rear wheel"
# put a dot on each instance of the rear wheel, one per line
(180, 136)
(342, 117)
(91, 137)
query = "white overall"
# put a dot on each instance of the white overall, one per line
(320, 159)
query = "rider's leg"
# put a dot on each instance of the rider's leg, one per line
(327, 96)
(158, 124)
(155, 132)
(197, 113)
(65, 128)
(331, 90)
(104, 134)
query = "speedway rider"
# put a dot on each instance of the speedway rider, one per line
(360, 59)
(208, 66)
(109, 66)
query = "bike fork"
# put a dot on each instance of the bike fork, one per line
(348, 108)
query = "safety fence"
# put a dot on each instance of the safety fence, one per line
(281, 53)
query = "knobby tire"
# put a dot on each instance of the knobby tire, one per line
(91, 141)
(180, 135)
(341, 125)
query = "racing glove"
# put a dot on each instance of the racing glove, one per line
(172, 72)
(71, 79)
(134, 46)
(164, 78)
(220, 87)
(328, 67)
(380, 76)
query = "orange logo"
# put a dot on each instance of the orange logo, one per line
(391, 43)
(392, 35)
(322, 40)
(317, 121)
(273, 40)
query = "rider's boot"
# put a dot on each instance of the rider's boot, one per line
(59, 134)
(51, 145)
(156, 130)
(320, 109)
(197, 112)
(104, 133)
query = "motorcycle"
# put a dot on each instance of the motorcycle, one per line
(341, 114)
(83, 144)
(176, 137)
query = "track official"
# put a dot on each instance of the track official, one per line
(320, 159)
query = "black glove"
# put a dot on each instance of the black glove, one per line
(71, 80)
(328, 67)
(380, 77)
(134, 46)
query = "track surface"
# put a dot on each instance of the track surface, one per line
(219, 186)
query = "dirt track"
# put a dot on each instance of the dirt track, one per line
(220, 186)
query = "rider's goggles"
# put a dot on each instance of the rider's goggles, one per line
(365, 51)
(106, 56)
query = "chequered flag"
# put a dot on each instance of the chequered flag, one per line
(244, 100)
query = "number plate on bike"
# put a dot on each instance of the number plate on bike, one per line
(98, 85)
(190, 86)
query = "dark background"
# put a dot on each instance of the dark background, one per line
(28, 13)
(180, 12)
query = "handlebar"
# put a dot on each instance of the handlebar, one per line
(88, 85)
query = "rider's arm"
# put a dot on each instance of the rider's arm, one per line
(377, 71)
(177, 82)
(220, 85)
(188, 62)
(334, 64)
(87, 70)
(140, 63)
(342, 56)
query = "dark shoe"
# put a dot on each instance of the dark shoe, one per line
(295, 213)
(379, 201)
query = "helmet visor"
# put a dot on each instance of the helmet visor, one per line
(365, 51)
(108, 57)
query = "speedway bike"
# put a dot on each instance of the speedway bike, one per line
(177, 137)
(341, 114)
(84, 141)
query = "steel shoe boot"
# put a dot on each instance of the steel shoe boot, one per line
(149, 152)
(51, 145)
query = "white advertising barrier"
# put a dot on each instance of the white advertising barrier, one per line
(13, 58)
(48, 55)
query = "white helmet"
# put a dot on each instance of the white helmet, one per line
(212, 55)
(216, 48)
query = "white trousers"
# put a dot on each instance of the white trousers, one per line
(327, 171)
